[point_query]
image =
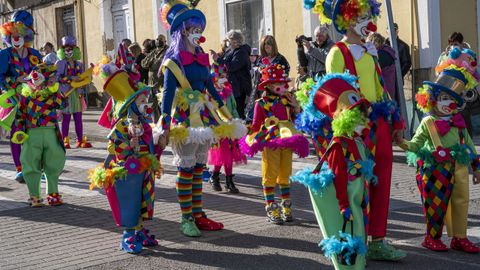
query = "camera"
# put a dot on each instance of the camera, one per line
(300, 39)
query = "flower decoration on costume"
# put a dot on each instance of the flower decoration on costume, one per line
(442, 154)
(132, 165)
(34, 60)
(343, 13)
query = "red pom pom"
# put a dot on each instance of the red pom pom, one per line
(202, 39)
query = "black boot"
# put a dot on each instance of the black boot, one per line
(229, 185)
(215, 181)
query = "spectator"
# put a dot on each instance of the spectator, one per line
(237, 60)
(136, 50)
(386, 59)
(148, 46)
(255, 74)
(154, 60)
(403, 53)
(152, 63)
(316, 52)
(50, 57)
(302, 76)
(269, 51)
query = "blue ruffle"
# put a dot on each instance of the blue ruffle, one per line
(367, 170)
(317, 183)
(332, 246)
(388, 110)
(312, 121)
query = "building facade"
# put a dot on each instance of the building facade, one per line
(100, 25)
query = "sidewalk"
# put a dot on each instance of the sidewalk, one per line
(81, 233)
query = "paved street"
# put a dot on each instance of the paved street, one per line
(82, 234)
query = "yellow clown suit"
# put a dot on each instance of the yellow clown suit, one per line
(442, 150)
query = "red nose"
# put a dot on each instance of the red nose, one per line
(149, 110)
(371, 27)
(453, 106)
(16, 39)
(35, 75)
(473, 63)
(202, 39)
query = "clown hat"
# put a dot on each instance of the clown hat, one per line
(69, 41)
(123, 89)
(337, 92)
(342, 13)
(452, 81)
(275, 73)
(175, 12)
(20, 24)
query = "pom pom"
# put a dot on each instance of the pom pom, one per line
(455, 53)
(345, 122)
(308, 4)
(316, 182)
(344, 244)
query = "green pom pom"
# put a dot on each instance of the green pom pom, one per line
(303, 93)
(345, 122)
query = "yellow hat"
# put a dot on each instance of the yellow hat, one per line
(119, 86)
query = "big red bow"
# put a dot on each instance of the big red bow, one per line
(188, 58)
(443, 126)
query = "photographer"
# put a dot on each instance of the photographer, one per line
(313, 54)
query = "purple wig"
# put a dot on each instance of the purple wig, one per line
(178, 42)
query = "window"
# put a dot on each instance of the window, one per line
(247, 16)
(252, 17)
(69, 22)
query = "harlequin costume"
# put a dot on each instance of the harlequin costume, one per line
(37, 129)
(192, 112)
(339, 184)
(442, 150)
(273, 133)
(16, 62)
(69, 67)
(226, 152)
(354, 17)
(128, 174)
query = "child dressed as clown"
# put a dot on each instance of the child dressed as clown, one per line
(225, 153)
(443, 150)
(128, 174)
(37, 129)
(354, 20)
(68, 74)
(339, 185)
(273, 133)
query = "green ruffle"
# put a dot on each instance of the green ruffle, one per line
(460, 153)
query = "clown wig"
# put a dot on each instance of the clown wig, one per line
(77, 54)
(348, 12)
(16, 28)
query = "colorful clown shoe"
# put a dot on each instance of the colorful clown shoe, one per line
(19, 175)
(463, 244)
(131, 242)
(146, 239)
(383, 251)
(206, 224)
(54, 199)
(188, 227)
(83, 143)
(286, 210)
(273, 214)
(434, 244)
(36, 202)
(66, 142)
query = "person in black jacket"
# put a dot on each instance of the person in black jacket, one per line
(312, 55)
(269, 53)
(403, 53)
(237, 60)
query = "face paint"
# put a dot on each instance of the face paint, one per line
(446, 106)
(195, 37)
(37, 79)
(222, 80)
(68, 52)
(365, 26)
(280, 89)
(145, 109)
(18, 42)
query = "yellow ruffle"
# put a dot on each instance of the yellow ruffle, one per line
(178, 134)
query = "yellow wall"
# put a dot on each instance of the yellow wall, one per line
(459, 16)
(287, 23)
(212, 31)
(143, 20)
(94, 39)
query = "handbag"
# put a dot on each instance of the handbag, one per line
(344, 254)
